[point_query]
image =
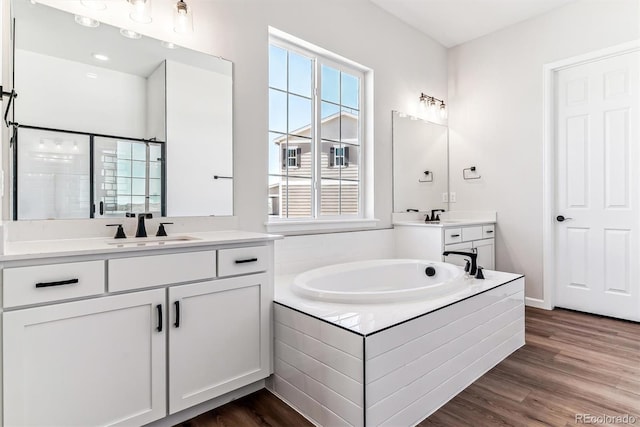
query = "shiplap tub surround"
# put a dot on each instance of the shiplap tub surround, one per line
(391, 364)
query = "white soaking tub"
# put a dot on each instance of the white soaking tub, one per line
(379, 281)
(381, 343)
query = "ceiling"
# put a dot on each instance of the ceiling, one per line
(452, 22)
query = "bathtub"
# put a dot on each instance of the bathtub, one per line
(381, 343)
(379, 281)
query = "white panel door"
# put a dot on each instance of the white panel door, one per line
(88, 363)
(597, 187)
(218, 339)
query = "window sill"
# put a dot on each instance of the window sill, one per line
(319, 226)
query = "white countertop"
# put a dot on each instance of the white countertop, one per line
(365, 319)
(445, 223)
(35, 249)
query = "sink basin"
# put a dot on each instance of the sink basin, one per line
(150, 241)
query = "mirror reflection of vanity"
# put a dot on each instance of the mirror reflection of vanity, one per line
(420, 164)
(104, 124)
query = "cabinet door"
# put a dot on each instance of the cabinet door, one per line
(218, 338)
(86, 363)
(486, 253)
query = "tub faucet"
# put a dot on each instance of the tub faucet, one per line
(142, 230)
(472, 256)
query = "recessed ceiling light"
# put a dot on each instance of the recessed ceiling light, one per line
(86, 22)
(94, 4)
(92, 75)
(169, 45)
(130, 34)
(100, 57)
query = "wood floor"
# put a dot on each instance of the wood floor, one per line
(573, 363)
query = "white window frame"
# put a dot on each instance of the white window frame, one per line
(364, 218)
(293, 149)
(337, 156)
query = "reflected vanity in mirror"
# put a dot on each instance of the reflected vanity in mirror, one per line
(420, 164)
(108, 122)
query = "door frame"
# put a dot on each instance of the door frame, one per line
(548, 162)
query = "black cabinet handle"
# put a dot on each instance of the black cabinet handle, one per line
(177, 322)
(60, 283)
(101, 208)
(159, 308)
(455, 235)
(489, 231)
(244, 261)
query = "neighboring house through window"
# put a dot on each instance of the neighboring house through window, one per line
(315, 134)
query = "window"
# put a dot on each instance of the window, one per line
(315, 135)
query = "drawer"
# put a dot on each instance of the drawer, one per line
(156, 270)
(452, 235)
(55, 282)
(471, 233)
(242, 260)
(488, 231)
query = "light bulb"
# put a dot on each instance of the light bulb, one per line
(182, 18)
(140, 11)
(443, 111)
(432, 105)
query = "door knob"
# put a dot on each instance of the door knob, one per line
(561, 218)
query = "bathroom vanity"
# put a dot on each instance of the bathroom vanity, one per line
(127, 332)
(416, 239)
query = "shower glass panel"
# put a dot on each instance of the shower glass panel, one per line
(128, 177)
(52, 174)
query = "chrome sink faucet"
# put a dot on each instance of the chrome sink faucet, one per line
(141, 231)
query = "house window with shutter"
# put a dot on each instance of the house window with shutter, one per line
(315, 134)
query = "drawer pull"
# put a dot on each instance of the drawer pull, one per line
(489, 231)
(177, 322)
(244, 261)
(159, 308)
(455, 235)
(60, 283)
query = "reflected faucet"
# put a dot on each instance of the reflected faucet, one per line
(141, 231)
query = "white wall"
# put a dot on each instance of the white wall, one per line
(405, 63)
(295, 254)
(495, 118)
(156, 104)
(59, 95)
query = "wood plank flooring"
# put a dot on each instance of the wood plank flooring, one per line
(573, 363)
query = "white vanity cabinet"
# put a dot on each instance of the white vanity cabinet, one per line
(145, 335)
(429, 241)
(218, 338)
(100, 361)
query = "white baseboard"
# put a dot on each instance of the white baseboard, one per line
(535, 302)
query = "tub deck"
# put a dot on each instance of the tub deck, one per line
(391, 364)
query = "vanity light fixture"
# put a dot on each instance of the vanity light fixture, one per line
(86, 21)
(94, 4)
(140, 11)
(130, 34)
(182, 18)
(430, 102)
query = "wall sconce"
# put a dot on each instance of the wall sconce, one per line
(430, 103)
(140, 11)
(182, 18)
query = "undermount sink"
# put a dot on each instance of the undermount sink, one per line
(150, 241)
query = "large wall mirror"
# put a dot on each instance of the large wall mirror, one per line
(107, 122)
(420, 164)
